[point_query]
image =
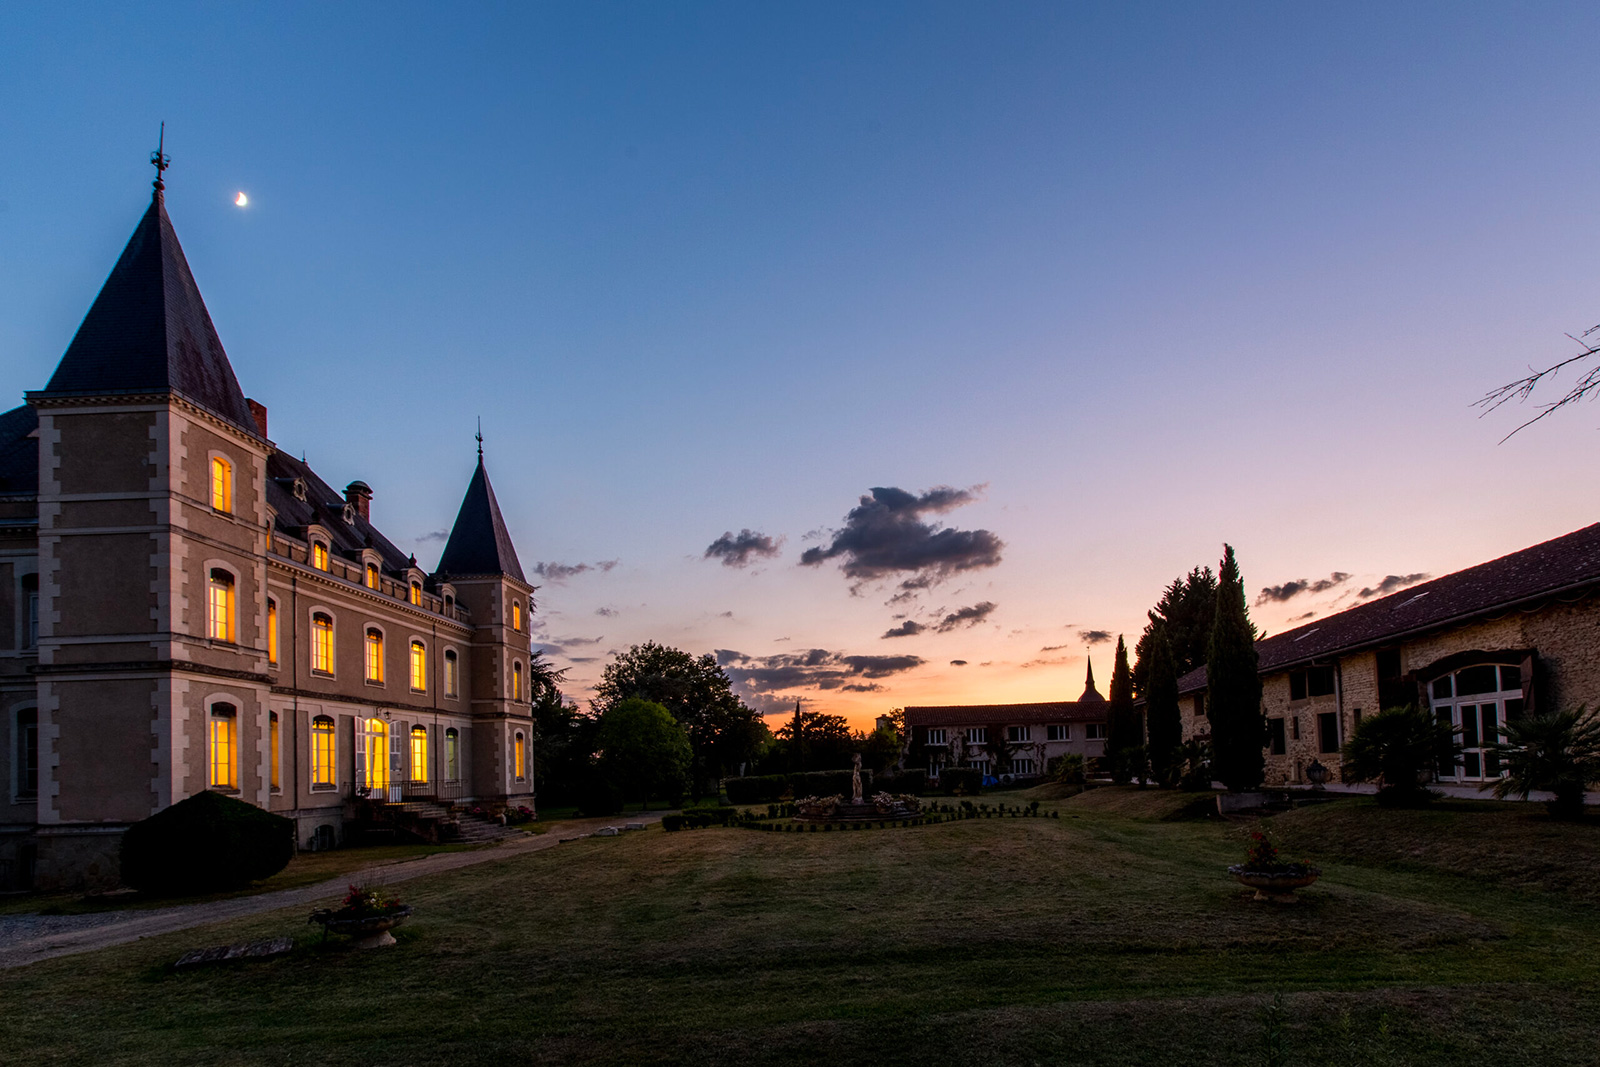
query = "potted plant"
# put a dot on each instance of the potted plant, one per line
(366, 914)
(1273, 878)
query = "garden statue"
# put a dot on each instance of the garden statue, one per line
(855, 781)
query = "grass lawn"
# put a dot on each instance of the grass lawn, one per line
(1108, 936)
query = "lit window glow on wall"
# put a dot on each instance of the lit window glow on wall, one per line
(221, 484)
(322, 644)
(322, 751)
(223, 746)
(220, 605)
(374, 656)
(419, 753)
(419, 668)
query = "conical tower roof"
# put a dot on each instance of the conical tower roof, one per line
(479, 542)
(149, 332)
(1090, 693)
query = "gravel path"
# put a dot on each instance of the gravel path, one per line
(25, 939)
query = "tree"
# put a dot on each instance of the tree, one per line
(644, 749)
(1165, 730)
(1124, 731)
(819, 742)
(1233, 682)
(722, 731)
(1558, 751)
(1587, 385)
(1399, 748)
(1187, 609)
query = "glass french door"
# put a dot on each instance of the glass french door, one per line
(1477, 701)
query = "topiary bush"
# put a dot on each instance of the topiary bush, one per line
(203, 844)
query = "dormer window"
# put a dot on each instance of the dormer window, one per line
(319, 555)
(449, 603)
(416, 593)
(299, 488)
(221, 484)
(372, 576)
(349, 514)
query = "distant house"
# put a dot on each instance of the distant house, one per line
(999, 739)
(1476, 648)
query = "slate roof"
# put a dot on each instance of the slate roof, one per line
(479, 542)
(1565, 564)
(19, 452)
(149, 332)
(1008, 714)
(324, 507)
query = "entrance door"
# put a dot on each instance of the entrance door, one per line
(1477, 701)
(373, 759)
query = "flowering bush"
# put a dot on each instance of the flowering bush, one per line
(1262, 856)
(887, 803)
(519, 814)
(818, 807)
(363, 901)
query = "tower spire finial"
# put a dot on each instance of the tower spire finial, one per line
(479, 436)
(161, 161)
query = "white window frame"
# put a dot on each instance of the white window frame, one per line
(938, 737)
(1058, 732)
(1473, 742)
(977, 735)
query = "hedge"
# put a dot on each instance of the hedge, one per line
(913, 782)
(827, 784)
(698, 818)
(757, 789)
(963, 780)
(203, 844)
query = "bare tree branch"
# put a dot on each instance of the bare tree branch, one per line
(1523, 388)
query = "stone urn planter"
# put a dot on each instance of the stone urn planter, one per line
(366, 915)
(1276, 886)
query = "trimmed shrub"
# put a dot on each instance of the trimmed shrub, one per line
(203, 844)
(756, 789)
(962, 781)
(827, 784)
(914, 783)
(672, 823)
(599, 797)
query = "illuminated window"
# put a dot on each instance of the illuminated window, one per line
(221, 484)
(372, 576)
(272, 743)
(272, 631)
(375, 760)
(374, 656)
(319, 555)
(321, 752)
(419, 668)
(450, 674)
(416, 593)
(519, 756)
(516, 681)
(516, 616)
(223, 745)
(219, 601)
(452, 755)
(419, 753)
(322, 643)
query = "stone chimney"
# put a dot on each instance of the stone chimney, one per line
(359, 496)
(260, 412)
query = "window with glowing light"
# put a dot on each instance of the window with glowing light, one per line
(419, 753)
(221, 484)
(272, 632)
(223, 745)
(375, 657)
(516, 616)
(416, 593)
(375, 760)
(516, 681)
(322, 752)
(372, 576)
(219, 600)
(419, 667)
(319, 555)
(322, 643)
(520, 757)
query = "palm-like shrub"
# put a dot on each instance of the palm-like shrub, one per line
(1558, 751)
(1399, 748)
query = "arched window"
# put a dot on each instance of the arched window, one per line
(272, 632)
(221, 484)
(322, 643)
(516, 681)
(451, 674)
(419, 667)
(516, 615)
(219, 601)
(319, 555)
(375, 656)
(519, 756)
(27, 753)
(419, 754)
(223, 736)
(322, 752)
(1478, 700)
(416, 593)
(372, 576)
(452, 755)
(272, 745)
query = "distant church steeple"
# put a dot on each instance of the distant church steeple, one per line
(1090, 693)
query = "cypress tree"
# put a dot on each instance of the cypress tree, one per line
(1237, 727)
(1124, 729)
(1161, 709)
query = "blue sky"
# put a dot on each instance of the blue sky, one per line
(1138, 278)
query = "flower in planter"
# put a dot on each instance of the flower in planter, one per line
(1262, 856)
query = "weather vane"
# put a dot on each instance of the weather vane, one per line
(160, 160)
(479, 436)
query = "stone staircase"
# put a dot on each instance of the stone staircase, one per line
(433, 822)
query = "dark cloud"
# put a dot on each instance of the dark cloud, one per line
(1094, 637)
(958, 663)
(885, 536)
(909, 628)
(758, 679)
(560, 572)
(738, 551)
(725, 615)
(870, 687)
(966, 616)
(1303, 618)
(1277, 594)
(1054, 648)
(606, 613)
(1392, 583)
(436, 535)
